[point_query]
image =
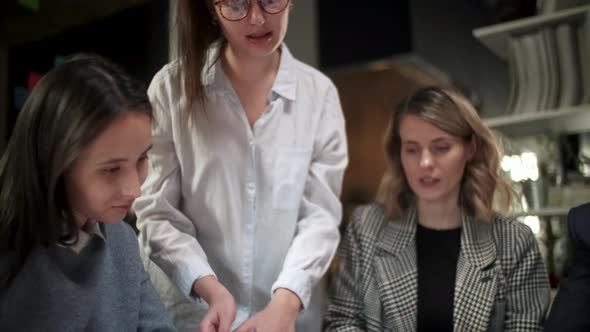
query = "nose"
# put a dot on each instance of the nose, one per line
(256, 14)
(131, 186)
(426, 159)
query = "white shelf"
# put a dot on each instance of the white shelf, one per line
(495, 37)
(544, 212)
(573, 119)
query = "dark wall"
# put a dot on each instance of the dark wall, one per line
(443, 36)
(440, 32)
(350, 34)
(136, 38)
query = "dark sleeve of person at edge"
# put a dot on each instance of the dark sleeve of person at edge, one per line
(438, 252)
(571, 309)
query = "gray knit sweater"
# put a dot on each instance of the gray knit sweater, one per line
(102, 288)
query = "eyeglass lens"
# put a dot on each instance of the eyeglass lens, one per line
(238, 9)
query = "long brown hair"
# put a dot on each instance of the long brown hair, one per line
(197, 29)
(482, 184)
(70, 106)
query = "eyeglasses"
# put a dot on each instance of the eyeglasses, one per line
(235, 10)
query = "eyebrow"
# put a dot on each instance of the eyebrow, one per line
(434, 141)
(120, 160)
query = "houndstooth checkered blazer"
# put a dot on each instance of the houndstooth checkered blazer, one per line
(501, 282)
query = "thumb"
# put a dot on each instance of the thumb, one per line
(209, 323)
(224, 325)
(206, 327)
(245, 327)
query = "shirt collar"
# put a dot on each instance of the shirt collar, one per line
(286, 81)
(285, 84)
(85, 234)
(92, 227)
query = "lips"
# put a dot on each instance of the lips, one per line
(428, 181)
(125, 206)
(259, 35)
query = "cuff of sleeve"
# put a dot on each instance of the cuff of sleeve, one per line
(298, 282)
(184, 274)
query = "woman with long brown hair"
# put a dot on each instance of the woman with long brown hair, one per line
(72, 168)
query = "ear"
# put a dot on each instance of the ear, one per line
(471, 148)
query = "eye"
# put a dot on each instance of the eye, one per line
(266, 3)
(142, 160)
(111, 170)
(411, 150)
(273, 6)
(441, 148)
(235, 5)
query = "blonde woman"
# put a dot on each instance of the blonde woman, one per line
(432, 254)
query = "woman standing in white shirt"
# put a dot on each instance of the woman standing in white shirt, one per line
(241, 206)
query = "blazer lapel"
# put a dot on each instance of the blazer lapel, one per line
(396, 273)
(477, 277)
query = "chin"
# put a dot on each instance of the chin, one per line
(430, 197)
(264, 50)
(112, 219)
(442, 198)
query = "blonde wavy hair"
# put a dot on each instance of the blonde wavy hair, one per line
(483, 189)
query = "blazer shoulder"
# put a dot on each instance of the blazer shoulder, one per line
(512, 237)
(579, 212)
(368, 220)
(579, 227)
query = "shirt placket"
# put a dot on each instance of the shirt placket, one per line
(251, 192)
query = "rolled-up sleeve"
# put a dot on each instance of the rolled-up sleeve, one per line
(320, 211)
(167, 236)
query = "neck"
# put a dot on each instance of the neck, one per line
(239, 67)
(439, 215)
(80, 219)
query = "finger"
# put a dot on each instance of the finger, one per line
(245, 327)
(206, 327)
(224, 325)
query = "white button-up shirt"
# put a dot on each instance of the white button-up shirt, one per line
(258, 207)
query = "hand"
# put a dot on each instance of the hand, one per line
(278, 316)
(222, 306)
